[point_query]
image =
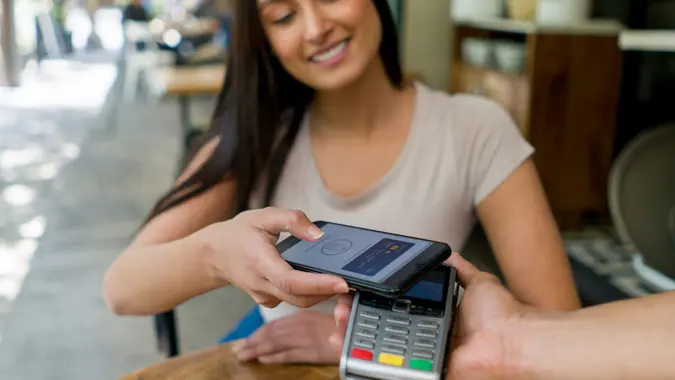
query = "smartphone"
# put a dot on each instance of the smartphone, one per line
(403, 338)
(378, 262)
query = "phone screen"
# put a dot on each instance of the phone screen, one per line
(363, 254)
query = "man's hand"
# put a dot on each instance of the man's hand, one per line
(486, 312)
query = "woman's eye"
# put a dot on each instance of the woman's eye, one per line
(284, 19)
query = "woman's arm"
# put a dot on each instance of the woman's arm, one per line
(527, 245)
(188, 251)
(630, 340)
(167, 264)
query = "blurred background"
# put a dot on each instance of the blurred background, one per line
(99, 100)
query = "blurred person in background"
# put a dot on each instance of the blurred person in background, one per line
(135, 11)
(316, 115)
(497, 337)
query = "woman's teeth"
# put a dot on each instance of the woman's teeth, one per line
(330, 54)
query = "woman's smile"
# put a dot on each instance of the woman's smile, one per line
(332, 55)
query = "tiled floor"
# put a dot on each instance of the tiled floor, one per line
(72, 191)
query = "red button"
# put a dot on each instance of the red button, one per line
(359, 353)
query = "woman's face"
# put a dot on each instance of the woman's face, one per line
(325, 44)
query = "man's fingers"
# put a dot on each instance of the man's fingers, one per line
(342, 312)
(466, 272)
(337, 341)
(275, 221)
(346, 299)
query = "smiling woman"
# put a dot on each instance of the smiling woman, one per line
(297, 34)
(315, 115)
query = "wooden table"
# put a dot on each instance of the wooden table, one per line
(185, 82)
(218, 363)
(192, 28)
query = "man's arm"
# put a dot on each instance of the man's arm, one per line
(633, 340)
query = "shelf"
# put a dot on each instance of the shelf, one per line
(595, 27)
(511, 91)
(648, 40)
(475, 70)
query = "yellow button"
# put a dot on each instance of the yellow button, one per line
(390, 359)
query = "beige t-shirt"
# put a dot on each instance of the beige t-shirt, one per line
(460, 148)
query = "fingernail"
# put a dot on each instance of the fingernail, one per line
(341, 288)
(315, 232)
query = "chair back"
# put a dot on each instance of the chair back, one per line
(642, 204)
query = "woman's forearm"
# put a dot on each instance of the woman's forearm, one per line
(629, 340)
(150, 279)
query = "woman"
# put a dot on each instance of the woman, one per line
(315, 115)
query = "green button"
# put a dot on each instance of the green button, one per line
(422, 365)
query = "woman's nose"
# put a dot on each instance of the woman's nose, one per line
(317, 25)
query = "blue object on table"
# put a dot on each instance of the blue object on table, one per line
(246, 326)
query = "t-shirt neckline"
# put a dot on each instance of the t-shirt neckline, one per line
(341, 202)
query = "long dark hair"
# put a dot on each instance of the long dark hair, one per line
(257, 100)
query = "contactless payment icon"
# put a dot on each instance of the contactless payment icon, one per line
(336, 247)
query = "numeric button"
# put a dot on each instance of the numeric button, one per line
(396, 329)
(423, 354)
(426, 333)
(368, 334)
(426, 343)
(394, 349)
(370, 315)
(365, 343)
(399, 320)
(368, 323)
(427, 324)
(398, 339)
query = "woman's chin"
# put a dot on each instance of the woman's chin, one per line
(334, 82)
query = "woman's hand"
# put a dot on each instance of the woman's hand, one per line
(242, 252)
(486, 313)
(299, 338)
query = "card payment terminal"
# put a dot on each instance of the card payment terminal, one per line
(404, 338)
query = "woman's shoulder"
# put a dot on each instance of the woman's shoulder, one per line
(463, 116)
(462, 107)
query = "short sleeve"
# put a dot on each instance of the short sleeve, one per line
(496, 146)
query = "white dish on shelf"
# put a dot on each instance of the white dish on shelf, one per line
(562, 12)
(510, 56)
(477, 52)
(476, 8)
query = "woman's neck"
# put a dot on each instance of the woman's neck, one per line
(360, 107)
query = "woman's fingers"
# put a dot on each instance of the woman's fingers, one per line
(275, 221)
(295, 300)
(296, 355)
(297, 283)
